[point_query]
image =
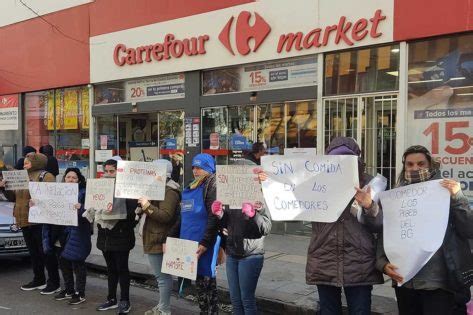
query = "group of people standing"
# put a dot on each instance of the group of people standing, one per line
(346, 255)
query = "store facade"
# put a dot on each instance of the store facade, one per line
(288, 74)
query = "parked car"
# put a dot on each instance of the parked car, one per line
(12, 243)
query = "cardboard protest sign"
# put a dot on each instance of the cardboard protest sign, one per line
(99, 196)
(16, 180)
(415, 219)
(140, 179)
(180, 258)
(309, 188)
(53, 203)
(236, 184)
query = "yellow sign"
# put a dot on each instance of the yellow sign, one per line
(70, 110)
(85, 108)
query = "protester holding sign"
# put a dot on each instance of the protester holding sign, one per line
(245, 230)
(342, 254)
(72, 245)
(157, 217)
(115, 239)
(198, 224)
(35, 164)
(442, 286)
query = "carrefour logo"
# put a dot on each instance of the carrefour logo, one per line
(244, 32)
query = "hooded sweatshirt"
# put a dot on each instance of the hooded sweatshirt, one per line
(22, 197)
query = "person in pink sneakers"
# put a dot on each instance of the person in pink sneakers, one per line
(244, 230)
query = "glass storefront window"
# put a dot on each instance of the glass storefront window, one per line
(440, 105)
(110, 93)
(229, 132)
(215, 125)
(60, 118)
(363, 70)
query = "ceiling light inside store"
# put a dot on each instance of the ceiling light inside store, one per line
(425, 81)
(457, 78)
(394, 73)
(465, 94)
(395, 50)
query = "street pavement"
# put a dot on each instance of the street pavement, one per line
(281, 287)
(14, 273)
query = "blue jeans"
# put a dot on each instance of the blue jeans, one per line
(164, 283)
(242, 276)
(358, 299)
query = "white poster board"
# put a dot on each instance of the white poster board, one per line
(103, 155)
(16, 180)
(236, 184)
(99, 194)
(53, 203)
(309, 188)
(180, 258)
(415, 219)
(140, 179)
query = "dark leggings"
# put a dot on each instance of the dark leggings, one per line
(117, 269)
(69, 268)
(207, 294)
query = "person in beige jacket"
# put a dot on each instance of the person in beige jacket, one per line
(156, 220)
(34, 164)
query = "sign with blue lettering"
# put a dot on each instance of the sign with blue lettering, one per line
(238, 142)
(315, 188)
(170, 143)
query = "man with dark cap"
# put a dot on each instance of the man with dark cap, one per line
(21, 161)
(52, 166)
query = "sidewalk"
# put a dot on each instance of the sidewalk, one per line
(281, 287)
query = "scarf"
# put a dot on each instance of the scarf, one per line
(198, 181)
(414, 177)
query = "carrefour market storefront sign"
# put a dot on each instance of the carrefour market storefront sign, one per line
(259, 31)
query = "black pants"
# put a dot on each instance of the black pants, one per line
(69, 268)
(358, 299)
(117, 269)
(424, 302)
(34, 242)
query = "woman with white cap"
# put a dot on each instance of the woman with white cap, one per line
(156, 220)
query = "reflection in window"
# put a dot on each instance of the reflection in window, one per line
(301, 125)
(271, 127)
(215, 127)
(363, 70)
(441, 72)
(110, 93)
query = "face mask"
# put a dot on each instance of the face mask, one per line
(413, 177)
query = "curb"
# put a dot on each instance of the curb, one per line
(266, 305)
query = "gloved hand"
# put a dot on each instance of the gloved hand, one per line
(248, 209)
(217, 208)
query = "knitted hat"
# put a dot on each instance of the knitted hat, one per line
(343, 146)
(204, 161)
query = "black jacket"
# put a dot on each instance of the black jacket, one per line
(245, 236)
(122, 236)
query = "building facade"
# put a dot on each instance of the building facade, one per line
(170, 79)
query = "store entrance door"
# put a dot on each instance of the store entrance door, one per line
(371, 120)
(146, 137)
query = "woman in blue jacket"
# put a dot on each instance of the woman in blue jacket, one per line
(197, 223)
(75, 247)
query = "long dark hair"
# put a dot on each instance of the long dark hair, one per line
(81, 177)
(434, 165)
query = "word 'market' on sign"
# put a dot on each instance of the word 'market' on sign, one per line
(169, 48)
(347, 32)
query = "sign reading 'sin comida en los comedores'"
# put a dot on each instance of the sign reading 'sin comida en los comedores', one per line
(344, 32)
